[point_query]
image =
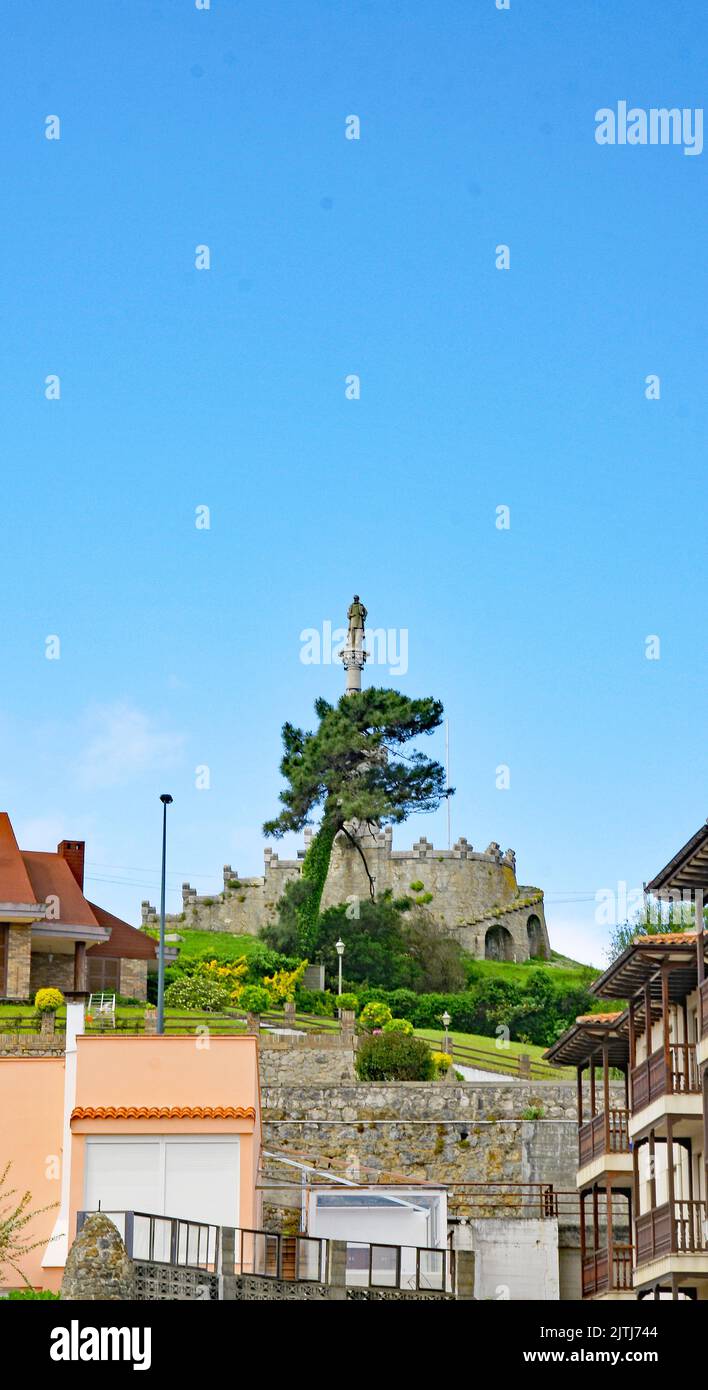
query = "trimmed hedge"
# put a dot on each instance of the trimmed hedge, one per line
(537, 1011)
(394, 1057)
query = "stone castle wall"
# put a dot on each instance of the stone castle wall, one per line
(474, 896)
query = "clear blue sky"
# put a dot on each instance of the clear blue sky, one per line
(479, 388)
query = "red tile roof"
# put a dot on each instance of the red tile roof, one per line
(52, 878)
(649, 938)
(163, 1112)
(599, 1018)
(15, 886)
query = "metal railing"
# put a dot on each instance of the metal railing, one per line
(381, 1266)
(198, 1246)
(534, 1200)
(165, 1239)
(276, 1256)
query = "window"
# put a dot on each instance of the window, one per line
(103, 976)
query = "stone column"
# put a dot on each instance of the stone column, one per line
(151, 1022)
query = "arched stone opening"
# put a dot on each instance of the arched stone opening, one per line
(537, 944)
(498, 944)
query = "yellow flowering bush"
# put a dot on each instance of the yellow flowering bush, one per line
(442, 1062)
(282, 985)
(228, 974)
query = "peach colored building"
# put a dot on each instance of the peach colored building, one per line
(165, 1125)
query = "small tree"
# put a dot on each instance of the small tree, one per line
(14, 1218)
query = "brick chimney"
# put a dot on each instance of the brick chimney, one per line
(73, 852)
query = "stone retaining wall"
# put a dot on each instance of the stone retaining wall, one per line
(452, 1134)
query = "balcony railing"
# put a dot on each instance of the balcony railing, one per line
(654, 1078)
(664, 1232)
(606, 1133)
(595, 1269)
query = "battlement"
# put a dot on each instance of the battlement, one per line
(471, 893)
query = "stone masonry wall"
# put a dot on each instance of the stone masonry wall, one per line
(471, 892)
(438, 1132)
(18, 962)
(133, 978)
(57, 973)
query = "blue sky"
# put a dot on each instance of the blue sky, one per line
(181, 647)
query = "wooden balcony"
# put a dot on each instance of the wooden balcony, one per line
(654, 1077)
(607, 1133)
(663, 1232)
(595, 1271)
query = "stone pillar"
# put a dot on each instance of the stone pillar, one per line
(524, 1064)
(347, 1019)
(97, 1266)
(151, 1022)
(253, 1023)
(289, 1012)
(464, 1274)
(47, 1024)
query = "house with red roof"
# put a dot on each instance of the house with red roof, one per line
(50, 934)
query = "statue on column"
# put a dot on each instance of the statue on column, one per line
(356, 614)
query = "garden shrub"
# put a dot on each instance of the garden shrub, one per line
(255, 999)
(47, 1001)
(316, 1001)
(375, 1015)
(399, 1025)
(348, 1001)
(198, 992)
(394, 1057)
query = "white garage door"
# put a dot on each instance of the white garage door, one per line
(196, 1179)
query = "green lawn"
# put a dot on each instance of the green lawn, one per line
(129, 1013)
(211, 945)
(488, 1045)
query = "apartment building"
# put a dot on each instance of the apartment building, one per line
(642, 1070)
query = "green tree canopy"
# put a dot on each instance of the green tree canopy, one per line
(351, 768)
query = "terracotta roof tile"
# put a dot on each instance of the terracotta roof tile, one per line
(650, 938)
(163, 1112)
(599, 1018)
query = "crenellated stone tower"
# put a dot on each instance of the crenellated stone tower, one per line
(473, 895)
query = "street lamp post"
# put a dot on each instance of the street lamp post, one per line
(446, 1021)
(166, 801)
(339, 947)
